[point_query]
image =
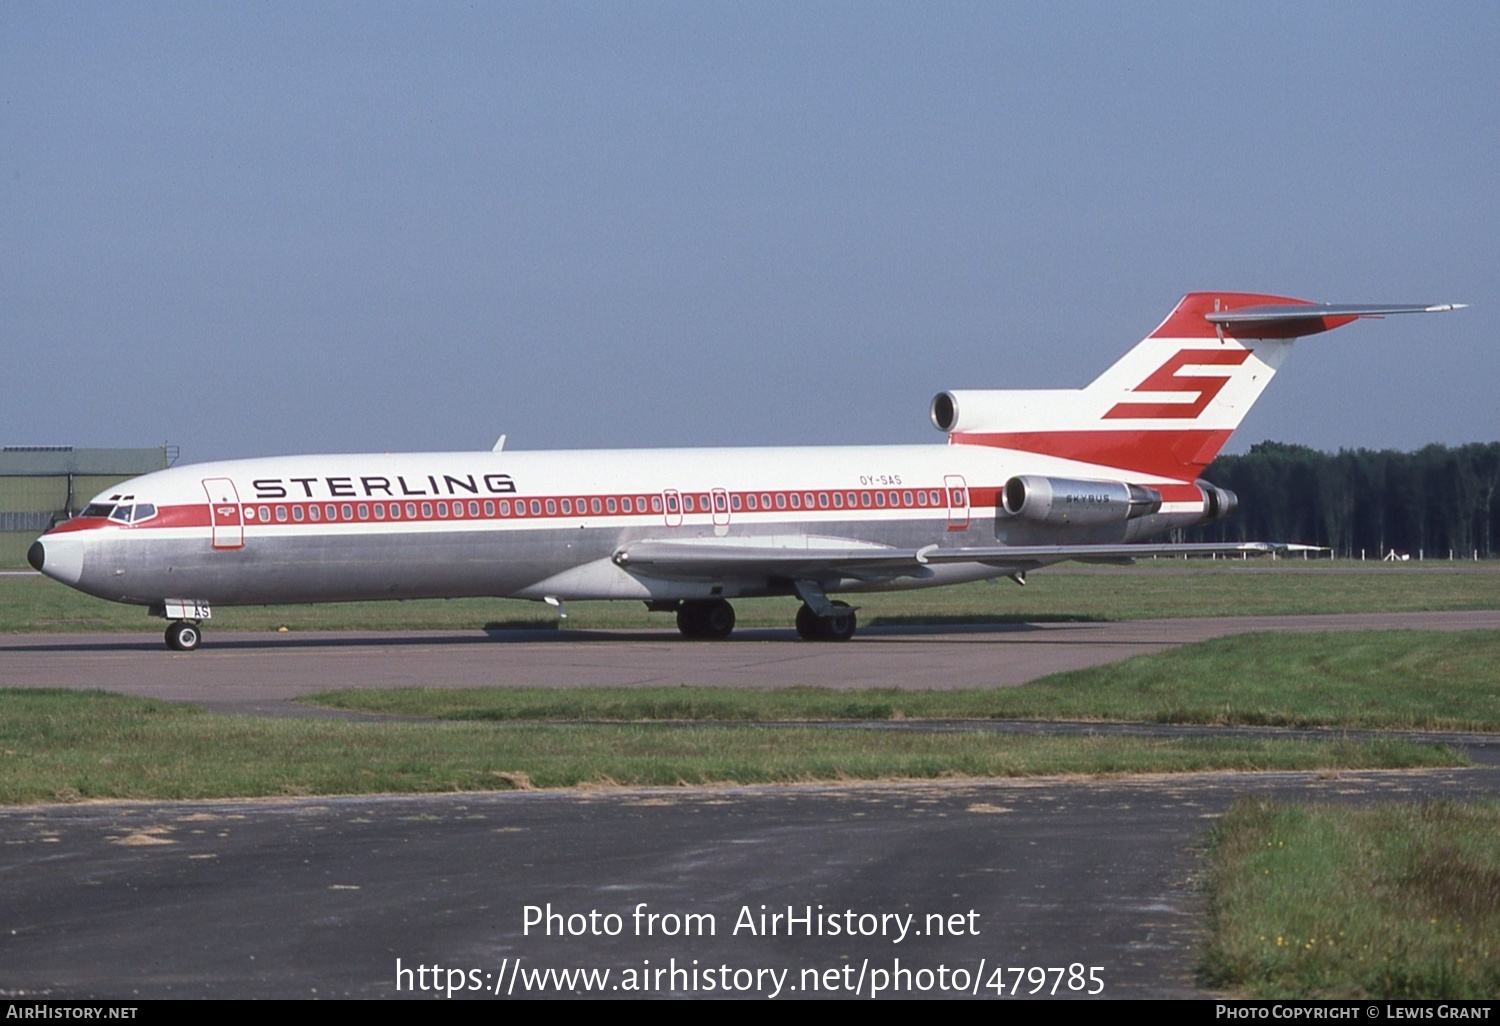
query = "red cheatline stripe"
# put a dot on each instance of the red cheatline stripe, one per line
(558, 507)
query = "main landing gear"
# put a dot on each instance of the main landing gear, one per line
(713, 619)
(838, 627)
(183, 635)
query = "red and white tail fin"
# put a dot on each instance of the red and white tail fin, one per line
(1167, 407)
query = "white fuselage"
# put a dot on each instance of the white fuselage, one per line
(546, 524)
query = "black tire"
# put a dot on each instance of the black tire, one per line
(690, 620)
(841, 625)
(712, 619)
(717, 620)
(183, 636)
(809, 627)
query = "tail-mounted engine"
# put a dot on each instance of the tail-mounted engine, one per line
(1218, 503)
(944, 411)
(1060, 500)
(984, 409)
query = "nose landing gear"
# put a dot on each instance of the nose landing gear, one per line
(183, 636)
(185, 631)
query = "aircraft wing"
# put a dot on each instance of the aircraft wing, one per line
(710, 558)
(1030, 556)
(791, 556)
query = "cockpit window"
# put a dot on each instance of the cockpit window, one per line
(124, 513)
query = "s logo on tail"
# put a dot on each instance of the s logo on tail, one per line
(1203, 387)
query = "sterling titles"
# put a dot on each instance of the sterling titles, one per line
(376, 486)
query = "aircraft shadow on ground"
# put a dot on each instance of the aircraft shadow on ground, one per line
(493, 633)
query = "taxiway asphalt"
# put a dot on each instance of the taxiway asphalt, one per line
(321, 897)
(261, 673)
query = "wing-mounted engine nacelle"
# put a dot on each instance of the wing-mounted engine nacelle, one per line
(1061, 500)
(1218, 503)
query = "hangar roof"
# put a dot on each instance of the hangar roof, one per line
(61, 460)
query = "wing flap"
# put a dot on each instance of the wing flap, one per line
(1031, 556)
(711, 559)
(792, 557)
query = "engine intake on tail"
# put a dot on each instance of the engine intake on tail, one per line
(1060, 500)
(944, 411)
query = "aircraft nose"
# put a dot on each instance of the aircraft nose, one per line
(60, 558)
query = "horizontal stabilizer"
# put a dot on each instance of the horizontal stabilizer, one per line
(1282, 313)
(1293, 319)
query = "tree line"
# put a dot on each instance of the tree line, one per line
(1434, 500)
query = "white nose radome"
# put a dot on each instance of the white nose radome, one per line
(60, 557)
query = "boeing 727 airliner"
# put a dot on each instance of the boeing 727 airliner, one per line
(1027, 479)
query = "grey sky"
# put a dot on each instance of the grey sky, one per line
(274, 228)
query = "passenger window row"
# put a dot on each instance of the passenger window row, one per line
(597, 505)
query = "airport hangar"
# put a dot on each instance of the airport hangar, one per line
(41, 485)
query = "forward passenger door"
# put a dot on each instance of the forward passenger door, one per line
(224, 513)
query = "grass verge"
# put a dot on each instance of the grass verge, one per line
(68, 745)
(1394, 679)
(1397, 901)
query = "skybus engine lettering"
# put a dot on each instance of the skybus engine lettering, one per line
(1027, 479)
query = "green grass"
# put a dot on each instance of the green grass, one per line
(1389, 679)
(1165, 588)
(1404, 679)
(1396, 901)
(69, 746)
